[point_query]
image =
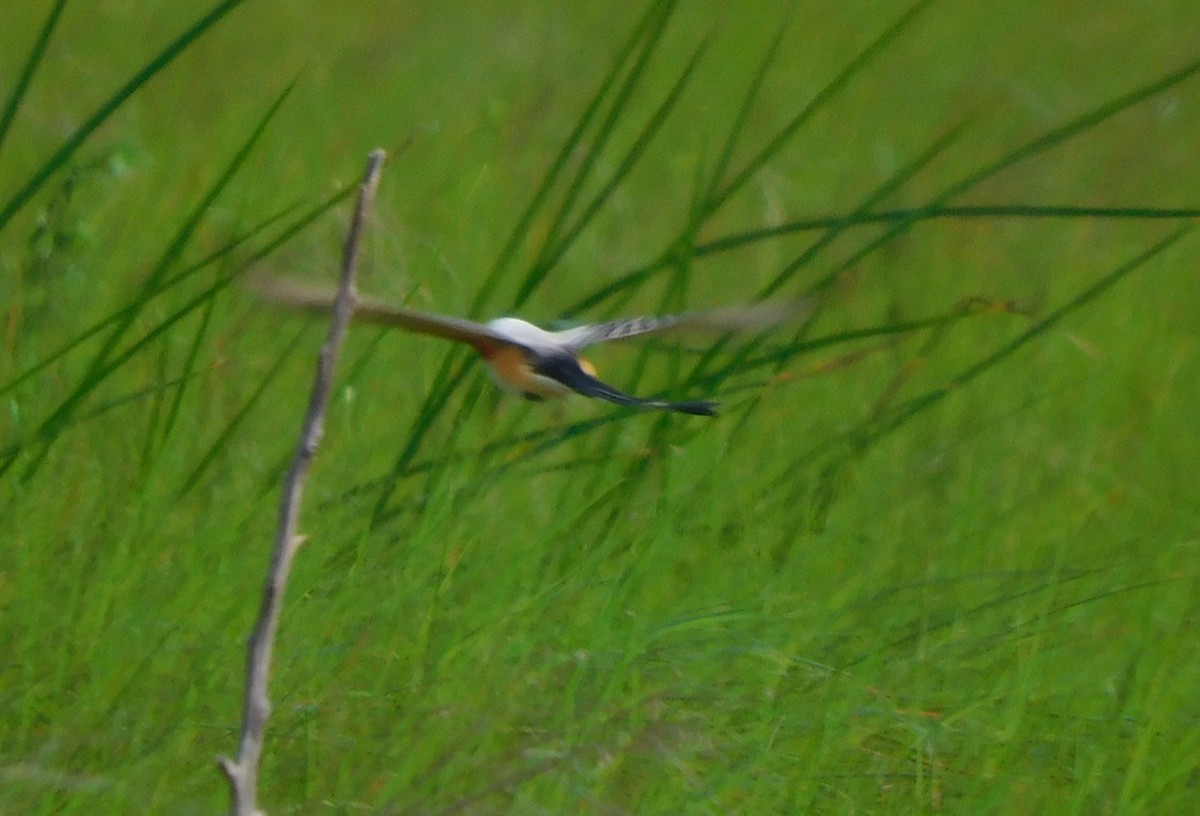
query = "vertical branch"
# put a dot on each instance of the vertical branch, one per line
(242, 773)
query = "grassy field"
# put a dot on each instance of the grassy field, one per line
(938, 553)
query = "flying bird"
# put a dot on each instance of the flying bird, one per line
(533, 362)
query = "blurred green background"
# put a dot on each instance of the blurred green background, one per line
(914, 567)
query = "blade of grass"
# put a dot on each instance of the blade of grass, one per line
(188, 228)
(635, 277)
(239, 416)
(826, 95)
(936, 207)
(917, 405)
(654, 18)
(1074, 127)
(927, 213)
(110, 106)
(887, 189)
(826, 491)
(154, 420)
(101, 366)
(1050, 139)
(857, 441)
(31, 64)
(553, 253)
(188, 369)
(227, 249)
(607, 126)
(719, 196)
(742, 117)
(535, 443)
(9, 454)
(712, 381)
(674, 296)
(1032, 148)
(747, 347)
(126, 399)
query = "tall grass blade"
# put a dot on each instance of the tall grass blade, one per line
(188, 369)
(655, 18)
(224, 251)
(1030, 212)
(937, 207)
(101, 366)
(742, 117)
(239, 416)
(554, 251)
(918, 405)
(718, 195)
(826, 95)
(1028, 150)
(1076, 126)
(859, 440)
(110, 106)
(595, 148)
(737, 361)
(31, 64)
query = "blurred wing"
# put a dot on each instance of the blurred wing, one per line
(716, 321)
(318, 299)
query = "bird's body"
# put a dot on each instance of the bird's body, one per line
(533, 362)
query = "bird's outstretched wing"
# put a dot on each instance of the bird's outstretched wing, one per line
(716, 321)
(565, 369)
(308, 297)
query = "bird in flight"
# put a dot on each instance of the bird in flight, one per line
(535, 363)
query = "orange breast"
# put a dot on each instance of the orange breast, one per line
(510, 369)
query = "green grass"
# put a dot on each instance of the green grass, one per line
(937, 555)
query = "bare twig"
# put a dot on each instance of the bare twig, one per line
(242, 773)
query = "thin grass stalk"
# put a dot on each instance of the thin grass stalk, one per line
(160, 61)
(103, 363)
(27, 72)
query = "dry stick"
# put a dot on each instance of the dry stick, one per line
(243, 773)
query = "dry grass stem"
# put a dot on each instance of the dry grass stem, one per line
(242, 773)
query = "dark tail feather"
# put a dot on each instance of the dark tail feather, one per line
(694, 407)
(600, 390)
(567, 371)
